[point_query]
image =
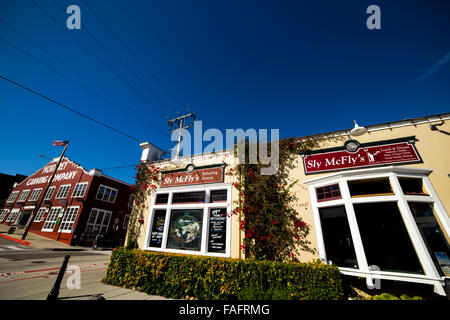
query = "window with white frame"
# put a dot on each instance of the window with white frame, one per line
(3, 214)
(49, 193)
(63, 191)
(35, 194)
(12, 196)
(191, 220)
(98, 221)
(13, 215)
(40, 214)
(107, 194)
(51, 219)
(389, 220)
(23, 196)
(80, 190)
(126, 221)
(68, 219)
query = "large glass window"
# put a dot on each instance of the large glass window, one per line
(80, 190)
(63, 191)
(412, 186)
(12, 197)
(106, 194)
(337, 237)
(51, 219)
(385, 238)
(35, 194)
(370, 187)
(23, 196)
(69, 219)
(185, 230)
(218, 196)
(98, 221)
(432, 234)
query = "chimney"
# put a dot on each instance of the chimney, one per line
(150, 152)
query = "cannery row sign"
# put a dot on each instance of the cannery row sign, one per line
(196, 176)
(356, 156)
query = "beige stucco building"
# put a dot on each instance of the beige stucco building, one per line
(378, 203)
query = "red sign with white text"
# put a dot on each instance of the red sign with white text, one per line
(198, 176)
(403, 152)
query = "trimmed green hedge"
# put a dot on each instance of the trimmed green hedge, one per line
(176, 276)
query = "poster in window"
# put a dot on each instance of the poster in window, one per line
(185, 230)
(157, 228)
(217, 230)
(444, 262)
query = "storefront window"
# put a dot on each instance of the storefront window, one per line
(385, 239)
(337, 237)
(432, 234)
(412, 186)
(370, 187)
(185, 230)
(157, 230)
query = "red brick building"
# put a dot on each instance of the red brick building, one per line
(78, 205)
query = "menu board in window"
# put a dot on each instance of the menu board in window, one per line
(185, 230)
(157, 228)
(217, 230)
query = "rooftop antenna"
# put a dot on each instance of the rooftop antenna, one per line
(178, 124)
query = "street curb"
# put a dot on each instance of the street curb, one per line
(63, 249)
(15, 240)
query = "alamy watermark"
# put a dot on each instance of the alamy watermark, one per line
(74, 280)
(257, 145)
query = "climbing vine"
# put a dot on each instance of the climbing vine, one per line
(272, 228)
(146, 180)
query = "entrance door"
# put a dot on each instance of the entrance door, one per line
(23, 219)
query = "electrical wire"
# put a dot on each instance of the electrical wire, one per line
(70, 108)
(99, 59)
(81, 86)
(136, 56)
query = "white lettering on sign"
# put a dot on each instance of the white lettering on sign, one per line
(65, 176)
(51, 168)
(39, 180)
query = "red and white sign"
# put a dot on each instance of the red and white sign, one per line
(403, 152)
(198, 176)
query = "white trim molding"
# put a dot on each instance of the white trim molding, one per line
(205, 206)
(431, 274)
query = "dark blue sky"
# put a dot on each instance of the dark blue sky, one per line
(303, 67)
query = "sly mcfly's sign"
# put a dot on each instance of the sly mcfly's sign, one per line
(198, 176)
(357, 156)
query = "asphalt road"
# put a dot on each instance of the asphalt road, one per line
(27, 273)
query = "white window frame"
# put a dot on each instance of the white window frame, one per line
(106, 187)
(3, 214)
(53, 220)
(101, 225)
(40, 213)
(431, 275)
(35, 194)
(66, 193)
(49, 194)
(83, 186)
(206, 206)
(69, 217)
(23, 195)
(13, 215)
(13, 196)
(126, 221)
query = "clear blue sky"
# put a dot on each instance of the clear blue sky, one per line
(303, 67)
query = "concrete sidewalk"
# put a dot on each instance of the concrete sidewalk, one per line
(36, 241)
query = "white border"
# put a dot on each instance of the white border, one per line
(205, 223)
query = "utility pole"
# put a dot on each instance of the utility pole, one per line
(177, 124)
(36, 208)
